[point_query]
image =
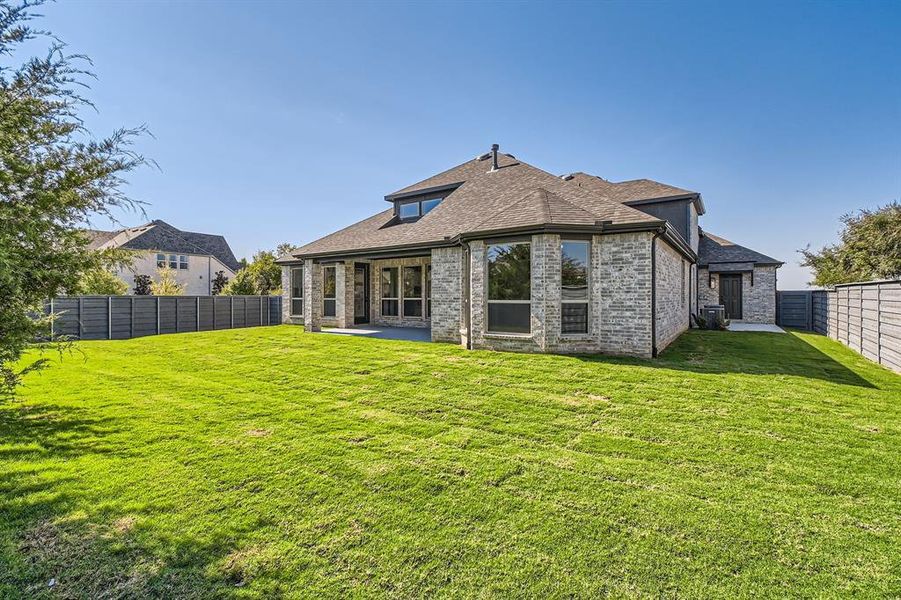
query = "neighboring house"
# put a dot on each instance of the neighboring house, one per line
(495, 253)
(194, 257)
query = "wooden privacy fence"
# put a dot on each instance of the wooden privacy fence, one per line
(866, 317)
(124, 317)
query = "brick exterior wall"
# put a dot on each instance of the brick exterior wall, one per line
(447, 294)
(625, 276)
(671, 286)
(758, 300)
(619, 300)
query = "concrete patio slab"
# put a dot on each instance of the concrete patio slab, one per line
(410, 334)
(766, 327)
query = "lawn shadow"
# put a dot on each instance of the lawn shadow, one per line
(752, 353)
(54, 542)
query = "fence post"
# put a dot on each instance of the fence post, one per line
(261, 311)
(245, 311)
(109, 317)
(52, 319)
(157, 315)
(176, 315)
(231, 311)
(79, 317)
(809, 311)
(198, 313)
(860, 307)
(879, 323)
(131, 323)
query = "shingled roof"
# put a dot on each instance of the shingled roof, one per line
(713, 249)
(161, 236)
(477, 199)
(635, 190)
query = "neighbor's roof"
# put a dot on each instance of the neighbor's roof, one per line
(635, 190)
(516, 195)
(159, 235)
(714, 249)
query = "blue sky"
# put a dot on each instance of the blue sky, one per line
(283, 122)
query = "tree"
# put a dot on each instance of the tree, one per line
(142, 285)
(261, 277)
(166, 285)
(870, 249)
(101, 282)
(53, 177)
(219, 283)
(241, 285)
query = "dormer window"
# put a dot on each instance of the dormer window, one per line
(410, 210)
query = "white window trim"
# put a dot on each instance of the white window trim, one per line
(587, 302)
(488, 302)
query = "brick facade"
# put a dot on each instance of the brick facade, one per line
(758, 300)
(619, 296)
(672, 294)
(447, 294)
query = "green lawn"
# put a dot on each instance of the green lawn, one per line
(266, 462)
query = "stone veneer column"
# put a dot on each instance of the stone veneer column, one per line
(344, 293)
(286, 295)
(312, 296)
(546, 281)
(447, 294)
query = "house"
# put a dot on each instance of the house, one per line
(194, 257)
(498, 254)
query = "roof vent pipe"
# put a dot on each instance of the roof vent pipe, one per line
(494, 149)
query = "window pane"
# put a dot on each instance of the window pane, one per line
(575, 271)
(297, 283)
(160, 260)
(389, 308)
(297, 306)
(329, 307)
(173, 264)
(429, 204)
(412, 282)
(328, 282)
(509, 271)
(574, 317)
(509, 318)
(412, 308)
(408, 210)
(182, 262)
(389, 282)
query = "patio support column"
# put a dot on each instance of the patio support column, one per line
(344, 293)
(312, 292)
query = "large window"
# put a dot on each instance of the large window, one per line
(413, 291)
(390, 290)
(297, 291)
(329, 289)
(574, 292)
(509, 288)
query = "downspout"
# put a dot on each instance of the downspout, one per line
(465, 292)
(654, 293)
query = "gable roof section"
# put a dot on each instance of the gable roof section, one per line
(635, 190)
(713, 249)
(483, 200)
(161, 236)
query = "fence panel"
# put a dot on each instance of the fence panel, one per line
(866, 317)
(794, 309)
(124, 317)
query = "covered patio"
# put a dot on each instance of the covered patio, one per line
(409, 334)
